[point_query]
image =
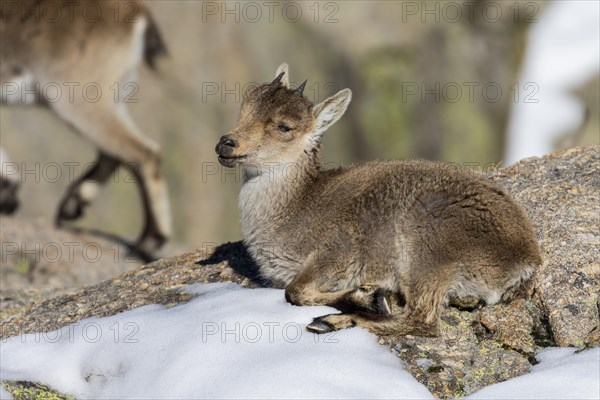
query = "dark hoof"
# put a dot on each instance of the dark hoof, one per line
(9, 201)
(9, 207)
(149, 244)
(319, 326)
(70, 209)
(382, 302)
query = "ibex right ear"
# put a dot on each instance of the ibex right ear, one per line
(285, 78)
(329, 111)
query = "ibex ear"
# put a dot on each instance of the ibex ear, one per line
(285, 79)
(329, 111)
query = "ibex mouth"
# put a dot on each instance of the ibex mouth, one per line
(230, 161)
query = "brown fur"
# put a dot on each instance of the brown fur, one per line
(348, 237)
(102, 46)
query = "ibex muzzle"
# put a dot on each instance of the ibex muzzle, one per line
(226, 149)
(387, 243)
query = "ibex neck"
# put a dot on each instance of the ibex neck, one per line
(268, 195)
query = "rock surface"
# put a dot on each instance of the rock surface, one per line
(36, 254)
(477, 347)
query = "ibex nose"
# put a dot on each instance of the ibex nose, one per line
(228, 141)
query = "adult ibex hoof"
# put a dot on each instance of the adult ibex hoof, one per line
(149, 244)
(8, 206)
(319, 326)
(9, 201)
(71, 208)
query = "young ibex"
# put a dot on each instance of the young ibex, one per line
(49, 43)
(417, 232)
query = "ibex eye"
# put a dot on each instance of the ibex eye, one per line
(284, 128)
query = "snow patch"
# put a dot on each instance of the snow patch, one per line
(228, 342)
(4, 395)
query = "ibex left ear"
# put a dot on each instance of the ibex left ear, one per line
(285, 78)
(331, 110)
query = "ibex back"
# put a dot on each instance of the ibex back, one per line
(78, 43)
(387, 243)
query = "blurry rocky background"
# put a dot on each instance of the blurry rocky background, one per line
(437, 80)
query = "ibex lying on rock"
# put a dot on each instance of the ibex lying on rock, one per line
(73, 44)
(387, 243)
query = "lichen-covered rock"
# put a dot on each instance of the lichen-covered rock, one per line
(459, 361)
(476, 348)
(32, 391)
(560, 193)
(512, 324)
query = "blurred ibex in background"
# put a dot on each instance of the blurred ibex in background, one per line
(92, 41)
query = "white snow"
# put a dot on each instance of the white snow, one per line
(563, 52)
(231, 342)
(4, 395)
(227, 343)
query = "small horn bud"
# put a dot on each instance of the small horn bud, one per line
(277, 80)
(300, 89)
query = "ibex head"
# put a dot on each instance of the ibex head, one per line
(277, 124)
